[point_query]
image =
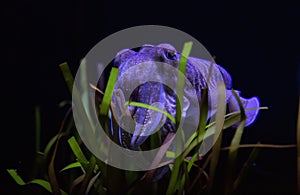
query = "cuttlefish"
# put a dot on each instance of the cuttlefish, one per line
(134, 70)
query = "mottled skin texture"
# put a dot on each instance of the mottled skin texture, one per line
(151, 92)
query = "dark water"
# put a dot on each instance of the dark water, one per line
(257, 43)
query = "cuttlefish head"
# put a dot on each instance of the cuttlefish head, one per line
(153, 93)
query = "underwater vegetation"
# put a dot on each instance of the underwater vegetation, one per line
(67, 166)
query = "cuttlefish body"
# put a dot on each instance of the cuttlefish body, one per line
(157, 94)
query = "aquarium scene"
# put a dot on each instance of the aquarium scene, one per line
(106, 97)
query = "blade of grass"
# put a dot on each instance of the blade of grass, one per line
(104, 110)
(16, 177)
(201, 129)
(183, 179)
(201, 170)
(230, 119)
(203, 113)
(80, 109)
(175, 174)
(170, 154)
(51, 143)
(67, 75)
(180, 82)
(116, 176)
(75, 182)
(71, 166)
(221, 110)
(242, 110)
(78, 99)
(260, 146)
(252, 157)
(52, 175)
(230, 170)
(233, 119)
(51, 169)
(88, 175)
(204, 108)
(204, 102)
(191, 162)
(37, 129)
(45, 184)
(212, 62)
(298, 149)
(187, 159)
(91, 183)
(77, 151)
(85, 89)
(155, 140)
(232, 155)
(142, 105)
(104, 107)
(39, 162)
(160, 154)
(214, 162)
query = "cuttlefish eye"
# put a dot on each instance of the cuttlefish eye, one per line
(171, 55)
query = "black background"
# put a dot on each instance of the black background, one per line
(258, 43)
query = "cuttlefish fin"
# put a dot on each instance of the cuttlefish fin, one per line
(250, 105)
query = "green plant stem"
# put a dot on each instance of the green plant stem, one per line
(37, 129)
(88, 175)
(51, 169)
(298, 149)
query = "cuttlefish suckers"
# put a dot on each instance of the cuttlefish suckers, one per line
(135, 69)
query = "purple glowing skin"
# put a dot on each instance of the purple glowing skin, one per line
(148, 93)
